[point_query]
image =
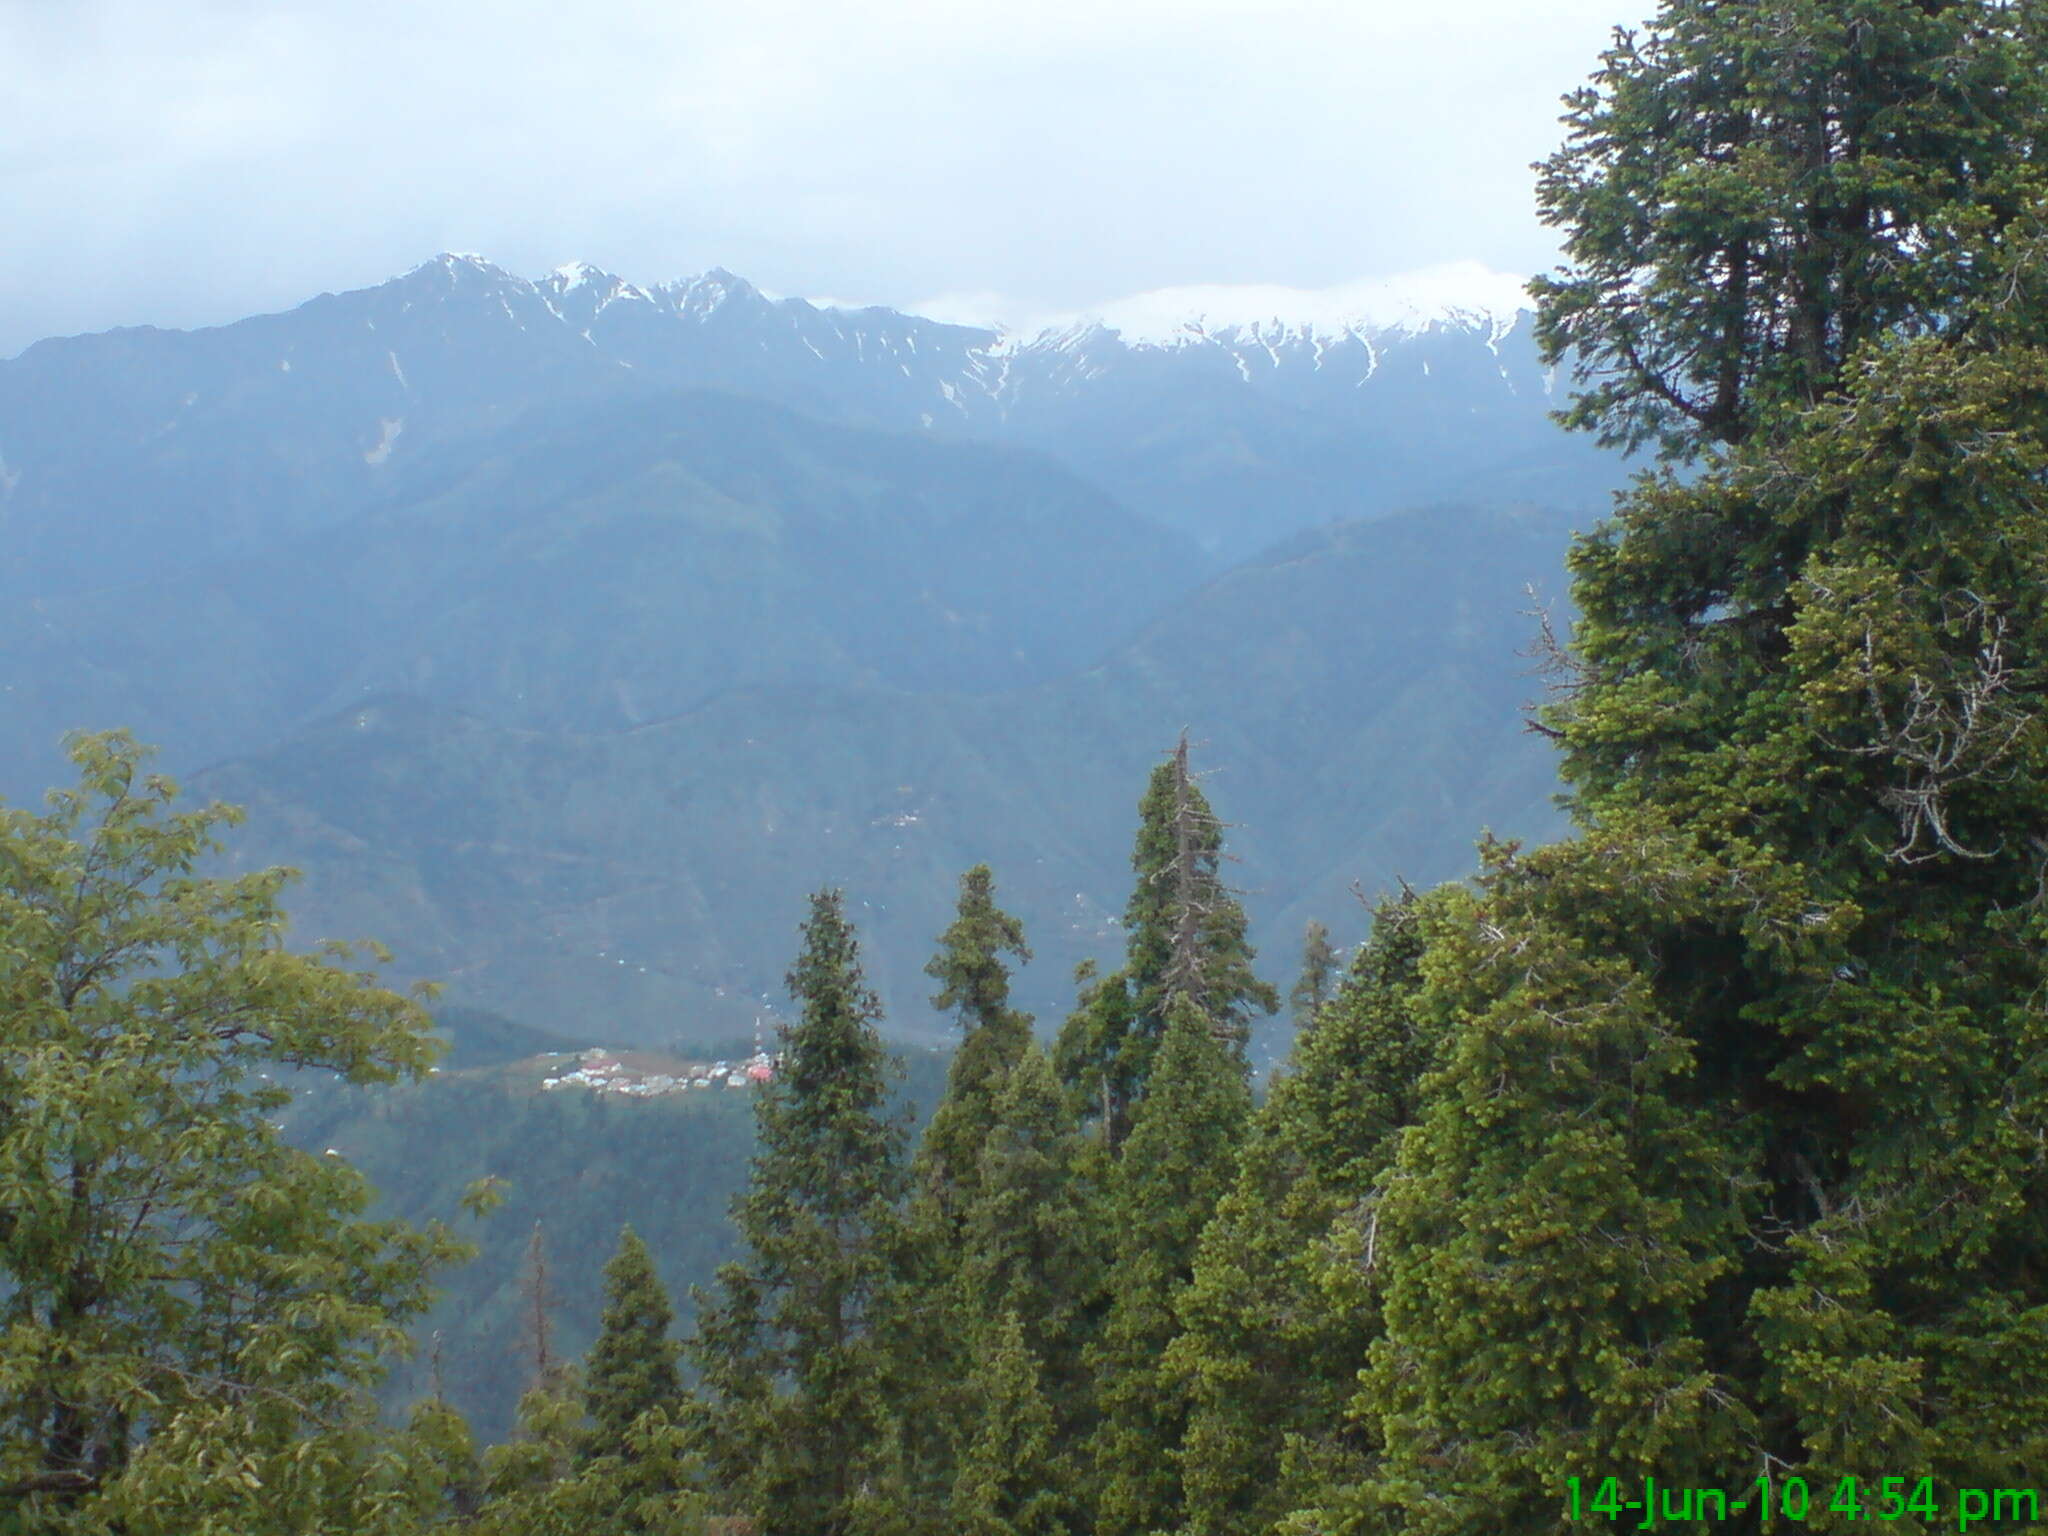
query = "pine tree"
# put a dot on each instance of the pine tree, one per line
(1091, 1053)
(1318, 974)
(545, 1482)
(1008, 1479)
(1283, 1305)
(631, 1368)
(974, 981)
(1729, 1160)
(1033, 1246)
(931, 1346)
(537, 1303)
(1557, 1222)
(1185, 935)
(788, 1353)
(728, 1350)
(1177, 1163)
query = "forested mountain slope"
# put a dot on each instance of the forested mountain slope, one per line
(607, 563)
(640, 883)
(579, 1164)
(568, 632)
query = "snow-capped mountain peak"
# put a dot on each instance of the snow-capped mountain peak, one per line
(697, 297)
(456, 265)
(1464, 294)
(576, 274)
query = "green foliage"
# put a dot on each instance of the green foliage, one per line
(1706, 1141)
(1178, 1162)
(1009, 1479)
(545, 1482)
(1730, 1156)
(1318, 973)
(932, 1344)
(974, 980)
(1032, 1242)
(192, 1312)
(788, 1355)
(1027, 1248)
(1284, 1301)
(631, 1369)
(541, 1454)
(1749, 194)
(1184, 935)
(1552, 1228)
(969, 966)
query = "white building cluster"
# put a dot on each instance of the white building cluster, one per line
(604, 1071)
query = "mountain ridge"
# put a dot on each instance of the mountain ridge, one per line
(184, 446)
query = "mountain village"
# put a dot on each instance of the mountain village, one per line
(632, 1074)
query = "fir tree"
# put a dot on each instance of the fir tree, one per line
(974, 982)
(1727, 1162)
(1318, 973)
(545, 1482)
(1007, 1484)
(1032, 1244)
(728, 1351)
(789, 1355)
(1091, 1053)
(631, 1368)
(1178, 1162)
(1185, 936)
(931, 1346)
(1556, 1223)
(1282, 1304)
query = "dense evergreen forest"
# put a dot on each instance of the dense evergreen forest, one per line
(1699, 1158)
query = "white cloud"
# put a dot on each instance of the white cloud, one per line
(191, 163)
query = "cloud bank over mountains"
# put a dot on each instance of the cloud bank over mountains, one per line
(185, 166)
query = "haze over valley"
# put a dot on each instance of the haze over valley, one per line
(566, 631)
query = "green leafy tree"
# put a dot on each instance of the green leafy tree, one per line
(192, 1313)
(789, 1353)
(631, 1368)
(1178, 1162)
(1750, 193)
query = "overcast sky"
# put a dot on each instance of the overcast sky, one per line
(180, 164)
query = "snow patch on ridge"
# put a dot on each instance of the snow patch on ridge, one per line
(1466, 294)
